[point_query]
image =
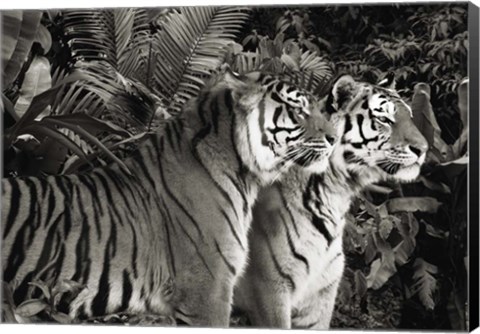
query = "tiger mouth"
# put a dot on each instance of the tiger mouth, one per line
(311, 156)
(393, 168)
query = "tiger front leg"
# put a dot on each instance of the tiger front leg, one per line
(317, 310)
(269, 308)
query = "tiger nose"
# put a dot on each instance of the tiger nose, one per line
(330, 139)
(419, 149)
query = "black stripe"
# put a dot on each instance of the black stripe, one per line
(230, 266)
(118, 184)
(287, 208)
(127, 291)
(33, 219)
(178, 203)
(232, 228)
(112, 240)
(134, 252)
(360, 129)
(81, 313)
(202, 99)
(99, 302)
(288, 130)
(15, 196)
(19, 247)
(348, 124)
(275, 97)
(233, 139)
(289, 139)
(50, 206)
(333, 259)
(152, 280)
(111, 204)
(317, 221)
(194, 244)
(279, 86)
(372, 123)
(319, 224)
(238, 188)
(170, 249)
(82, 249)
(63, 184)
(20, 293)
(97, 209)
(228, 99)
(139, 160)
(168, 220)
(45, 263)
(294, 252)
(279, 269)
(199, 136)
(276, 115)
(381, 145)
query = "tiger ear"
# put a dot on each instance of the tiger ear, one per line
(232, 79)
(388, 82)
(343, 90)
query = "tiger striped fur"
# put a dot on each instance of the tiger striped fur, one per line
(296, 256)
(170, 237)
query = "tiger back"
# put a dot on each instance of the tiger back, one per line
(296, 256)
(169, 236)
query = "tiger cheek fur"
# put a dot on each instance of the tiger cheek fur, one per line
(296, 256)
(170, 237)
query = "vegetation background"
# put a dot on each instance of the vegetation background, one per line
(80, 88)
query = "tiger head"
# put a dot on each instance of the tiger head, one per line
(379, 140)
(282, 125)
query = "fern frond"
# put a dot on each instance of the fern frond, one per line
(425, 282)
(117, 36)
(190, 46)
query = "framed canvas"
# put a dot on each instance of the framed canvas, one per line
(270, 166)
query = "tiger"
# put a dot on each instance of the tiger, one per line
(296, 258)
(166, 235)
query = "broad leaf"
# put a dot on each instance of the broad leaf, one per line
(424, 119)
(28, 30)
(11, 21)
(360, 283)
(37, 80)
(425, 282)
(62, 318)
(383, 268)
(44, 38)
(31, 307)
(462, 93)
(413, 204)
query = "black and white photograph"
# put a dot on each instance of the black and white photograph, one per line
(300, 166)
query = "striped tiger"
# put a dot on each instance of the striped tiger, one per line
(168, 237)
(297, 260)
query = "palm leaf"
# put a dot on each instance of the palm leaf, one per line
(109, 96)
(117, 36)
(190, 46)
